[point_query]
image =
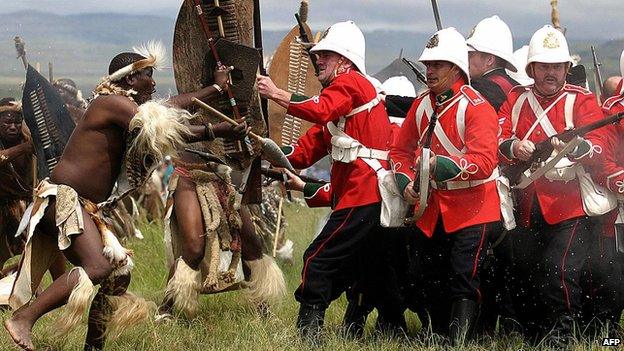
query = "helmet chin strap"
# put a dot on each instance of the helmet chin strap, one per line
(442, 82)
(338, 69)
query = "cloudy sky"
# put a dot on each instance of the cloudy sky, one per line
(584, 19)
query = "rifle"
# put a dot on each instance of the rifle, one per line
(597, 74)
(436, 14)
(280, 176)
(421, 77)
(544, 148)
(303, 36)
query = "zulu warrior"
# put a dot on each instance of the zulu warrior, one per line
(16, 150)
(211, 241)
(16, 173)
(121, 128)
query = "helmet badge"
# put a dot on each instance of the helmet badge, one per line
(433, 41)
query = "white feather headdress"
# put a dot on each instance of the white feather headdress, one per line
(155, 57)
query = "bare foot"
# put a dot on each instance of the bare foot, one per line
(21, 333)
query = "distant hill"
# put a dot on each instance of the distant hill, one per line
(81, 46)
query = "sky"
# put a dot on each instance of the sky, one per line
(583, 19)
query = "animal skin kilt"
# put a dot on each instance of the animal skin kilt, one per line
(221, 268)
(41, 250)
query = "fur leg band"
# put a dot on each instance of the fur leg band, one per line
(77, 303)
(266, 283)
(128, 310)
(183, 289)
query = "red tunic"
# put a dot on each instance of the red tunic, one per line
(558, 200)
(353, 184)
(611, 172)
(459, 208)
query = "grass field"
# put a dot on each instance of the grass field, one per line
(226, 322)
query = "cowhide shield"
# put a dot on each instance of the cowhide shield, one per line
(47, 119)
(292, 70)
(193, 65)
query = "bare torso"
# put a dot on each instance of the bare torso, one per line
(93, 156)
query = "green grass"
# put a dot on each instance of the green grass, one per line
(227, 322)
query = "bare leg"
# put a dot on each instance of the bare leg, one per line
(86, 252)
(57, 268)
(101, 310)
(188, 217)
(251, 243)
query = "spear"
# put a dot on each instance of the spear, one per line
(271, 151)
(20, 46)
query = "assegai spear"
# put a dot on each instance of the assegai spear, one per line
(270, 150)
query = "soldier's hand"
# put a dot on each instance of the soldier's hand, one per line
(409, 194)
(523, 149)
(293, 182)
(557, 144)
(221, 75)
(227, 131)
(266, 87)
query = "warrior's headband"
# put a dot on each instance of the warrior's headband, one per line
(154, 53)
(13, 106)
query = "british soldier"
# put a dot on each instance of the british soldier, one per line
(490, 58)
(463, 207)
(490, 53)
(354, 128)
(606, 266)
(550, 210)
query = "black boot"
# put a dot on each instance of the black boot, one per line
(561, 335)
(464, 315)
(310, 322)
(391, 324)
(355, 319)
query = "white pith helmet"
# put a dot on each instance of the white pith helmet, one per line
(622, 64)
(447, 45)
(548, 45)
(493, 36)
(399, 85)
(520, 57)
(346, 39)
